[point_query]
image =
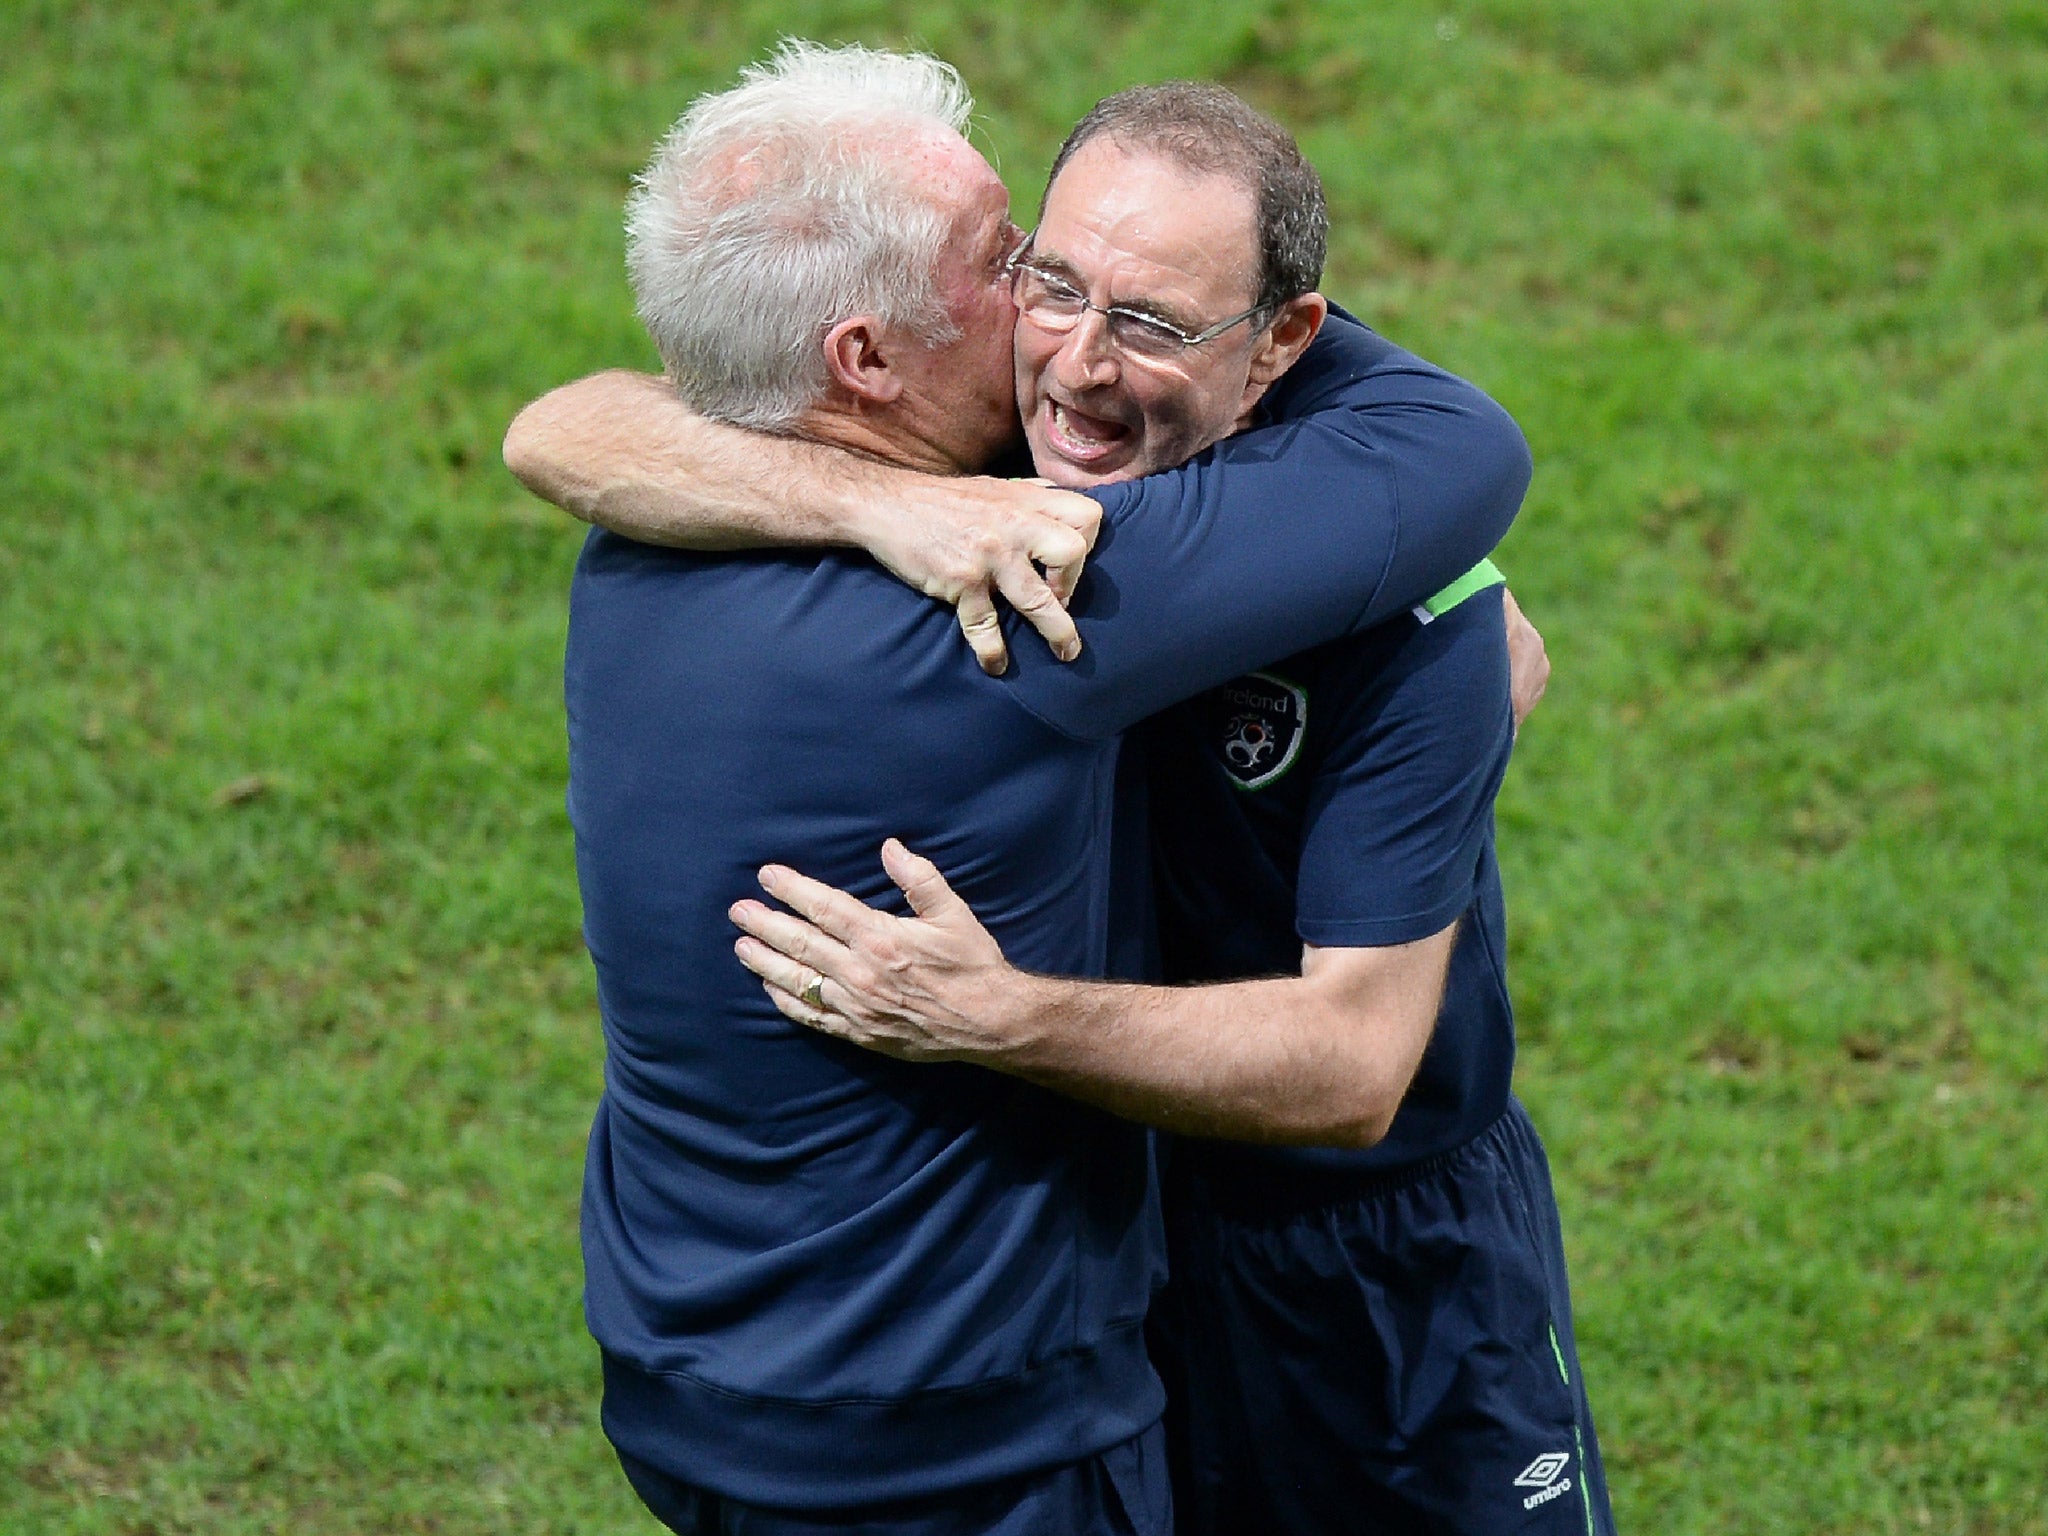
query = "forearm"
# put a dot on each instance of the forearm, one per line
(620, 450)
(1319, 1058)
(1275, 1060)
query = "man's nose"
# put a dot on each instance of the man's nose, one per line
(1087, 359)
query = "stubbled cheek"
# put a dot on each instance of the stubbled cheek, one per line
(1030, 371)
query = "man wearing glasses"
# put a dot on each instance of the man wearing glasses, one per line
(831, 1286)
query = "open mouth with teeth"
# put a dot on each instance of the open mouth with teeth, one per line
(1079, 437)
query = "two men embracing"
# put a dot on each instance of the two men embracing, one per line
(873, 1223)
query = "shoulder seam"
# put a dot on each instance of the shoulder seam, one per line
(1393, 550)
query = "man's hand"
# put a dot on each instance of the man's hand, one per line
(933, 987)
(964, 540)
(622, 450)
(1320, 1059)
(1528, 661)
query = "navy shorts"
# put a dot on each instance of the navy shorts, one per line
(1381, 1357)
(1122, 1492)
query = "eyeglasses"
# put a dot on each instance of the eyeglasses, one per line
(1053, 304)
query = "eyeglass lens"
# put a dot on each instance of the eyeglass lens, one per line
(1058, 306)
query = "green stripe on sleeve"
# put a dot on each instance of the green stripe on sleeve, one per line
(1483, 575)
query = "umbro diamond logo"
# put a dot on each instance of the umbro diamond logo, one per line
(1542, 1475)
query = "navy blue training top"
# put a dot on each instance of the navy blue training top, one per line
(819, 1276)
(1344, 798)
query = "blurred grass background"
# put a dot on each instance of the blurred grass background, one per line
(297, 1041)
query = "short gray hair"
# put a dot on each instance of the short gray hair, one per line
(1207, 129)
(780, 207)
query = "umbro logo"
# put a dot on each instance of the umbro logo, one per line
(1543, 1474)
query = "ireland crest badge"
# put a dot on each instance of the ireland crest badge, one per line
(1259, 722)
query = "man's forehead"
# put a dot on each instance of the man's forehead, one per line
(1144, 211)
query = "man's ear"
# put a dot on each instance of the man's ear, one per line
(855, 361)
(1293, 328)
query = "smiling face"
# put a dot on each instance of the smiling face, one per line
(1131, 229)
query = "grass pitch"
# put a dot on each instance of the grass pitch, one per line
(297, 1044)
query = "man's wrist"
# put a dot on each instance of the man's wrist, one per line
(863, 505)
(1028, 1019)
(863, 517)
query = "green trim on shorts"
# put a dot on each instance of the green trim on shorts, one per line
(1578, 1434)
(1585, 1476)
(1557, 1350)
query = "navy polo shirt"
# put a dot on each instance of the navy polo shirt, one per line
(821, 1277)
(1344, 797)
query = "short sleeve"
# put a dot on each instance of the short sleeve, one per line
(1409, 763)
